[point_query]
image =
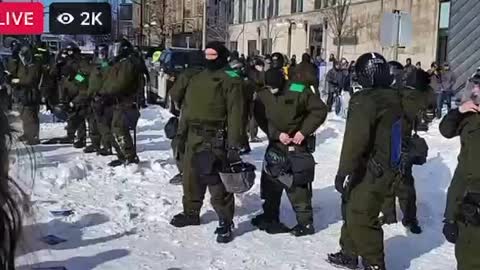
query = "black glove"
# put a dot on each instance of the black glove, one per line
(450, 231)
(233, 156)
(339, 183)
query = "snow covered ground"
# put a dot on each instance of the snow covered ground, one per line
(122, 215)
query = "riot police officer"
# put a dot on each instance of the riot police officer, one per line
(462, 218)
(414, 91)
(25, 81)
(120, 89)
(75, 94)
(99, 114)
(177, 93)
(289, 113)
(370, 163)
(213, 109)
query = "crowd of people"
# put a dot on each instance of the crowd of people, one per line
(222, 101)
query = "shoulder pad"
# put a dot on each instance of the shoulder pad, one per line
(232, 74)
(297, 87)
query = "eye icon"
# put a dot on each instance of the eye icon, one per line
(65, 18)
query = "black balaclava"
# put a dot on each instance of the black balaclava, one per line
(222, 59)
(277, 61)
(275, 79)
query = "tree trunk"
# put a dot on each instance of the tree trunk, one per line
(339, 47)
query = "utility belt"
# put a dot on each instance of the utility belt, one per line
(470, 209)
(208, 160)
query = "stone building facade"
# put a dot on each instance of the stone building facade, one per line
(298, 26)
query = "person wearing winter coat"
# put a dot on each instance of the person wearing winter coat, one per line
(462, 218)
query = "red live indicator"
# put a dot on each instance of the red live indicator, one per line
(21, 18)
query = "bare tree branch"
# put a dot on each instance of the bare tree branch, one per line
(337, 16)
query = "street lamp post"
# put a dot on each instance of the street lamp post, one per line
(204, 25)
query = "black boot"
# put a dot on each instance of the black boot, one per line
(303, 230)
(133, 160)
(412, 226)
(177, 180)
(183, 220)
(79, 144)
(343, 260)
(269, 225)
(105, 152)
(116, 163)
(224, 232)
(367, 266)
(91, 149)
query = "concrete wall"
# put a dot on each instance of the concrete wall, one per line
(365, 17)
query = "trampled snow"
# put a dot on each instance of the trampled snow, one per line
(121, 215)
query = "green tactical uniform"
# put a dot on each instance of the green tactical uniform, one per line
(413, 102)
(371, 136)
(76, 92)
(142, 80)
(213, 103)
(120, 86)
(177, 93)
(292, 110)
(102, 112)
(466, 180)
(28, 97)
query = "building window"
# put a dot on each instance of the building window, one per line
(252, 48)
(444, 15)
(254, 10)
(297, 6)
(262, 9)
(318, 4)
(231, 12)
(241, 12)
(277, 7)
(266, 46)
(234, 46)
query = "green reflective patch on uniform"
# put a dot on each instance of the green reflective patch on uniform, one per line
(104, 64)
(232, 74)
(41, 49)
(79, 78)
(297, 87)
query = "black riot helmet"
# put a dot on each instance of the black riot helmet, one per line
(373, 71)
(418, 79)
(278, 61)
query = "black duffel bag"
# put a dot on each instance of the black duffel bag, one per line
(171, 128)
(302, 167)
(417, 150)
(207, 167)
